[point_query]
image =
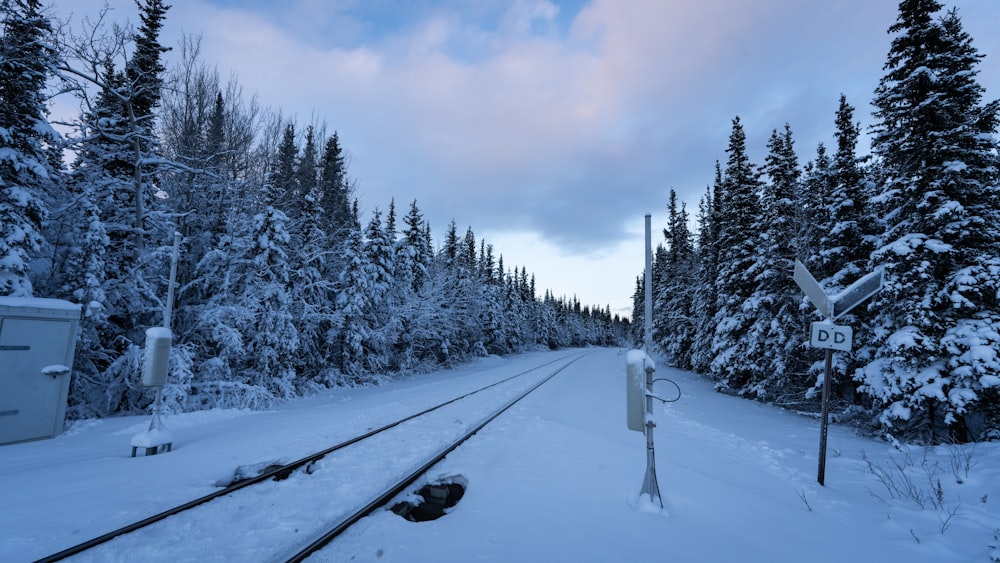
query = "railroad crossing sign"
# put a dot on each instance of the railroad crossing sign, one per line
(836, 306)
(825, 334)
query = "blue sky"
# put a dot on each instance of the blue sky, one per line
(551, 128)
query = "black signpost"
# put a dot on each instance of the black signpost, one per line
(825, 334)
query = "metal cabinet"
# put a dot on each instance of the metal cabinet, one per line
(37, 341)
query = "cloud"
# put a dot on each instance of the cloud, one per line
(564, 120)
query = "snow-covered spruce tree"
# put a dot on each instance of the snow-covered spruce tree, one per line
(335, 190)
(843, 229)
(365, 321)
(675, 312)
(312, 282)
(937, 327)
(412, 259)
(27, 60)
(660, 264)
(637, 337)
(706, 294)
(736, 358)
(498, 313)
(272, 338)
(776, 332)
(282, 178)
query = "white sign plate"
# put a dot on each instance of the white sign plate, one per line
(857, 293)
(829, 335)
(812, 289)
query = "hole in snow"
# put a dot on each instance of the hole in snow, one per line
(433, 500)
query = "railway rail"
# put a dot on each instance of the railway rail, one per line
(399, 482)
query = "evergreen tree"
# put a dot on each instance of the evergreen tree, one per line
(706, 294)
(27, 60)
(272, 337)
(283, 179)
(776, 330)
(847, 230)
(939, 195)
(145, 69)
(335, 189)
(676, 313)
(733, 366)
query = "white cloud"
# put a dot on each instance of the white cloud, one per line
(492, 114)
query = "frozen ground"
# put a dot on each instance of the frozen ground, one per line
(553, 479)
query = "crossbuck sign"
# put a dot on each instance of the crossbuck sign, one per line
(825, 334)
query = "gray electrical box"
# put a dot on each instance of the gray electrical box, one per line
(37, 341)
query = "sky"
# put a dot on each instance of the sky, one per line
(551, 128)
(556, 478)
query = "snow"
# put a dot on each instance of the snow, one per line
(56, 370)
(37, 303)
(556, 478)
(152, 438)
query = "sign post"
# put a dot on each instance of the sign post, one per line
(825, 334)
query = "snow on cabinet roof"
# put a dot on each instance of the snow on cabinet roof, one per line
(38, 305)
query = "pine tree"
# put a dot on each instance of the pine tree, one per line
(706, 293)
(733, 366)
(26, 171)
(938, 310)
(283, 179)
(776, 333)
(335, 189)
(145, 69)
(675, 313)
(847, 230)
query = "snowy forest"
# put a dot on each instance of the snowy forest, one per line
(924, 207)
(281, 289)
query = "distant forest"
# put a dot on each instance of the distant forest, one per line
(924, 207)
(281, 289)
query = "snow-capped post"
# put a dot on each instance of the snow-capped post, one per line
(825, 334)
(156, 361)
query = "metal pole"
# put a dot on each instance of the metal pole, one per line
(825, 421)
(648, 292)
(649, 484)
(168, 310)
(155, 423)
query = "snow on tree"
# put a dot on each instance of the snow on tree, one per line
(27, 60)
(937, 327)
(706, 295)
(674, 305)
(735, 363)
(778, 328)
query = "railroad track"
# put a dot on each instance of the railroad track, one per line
(319, 485)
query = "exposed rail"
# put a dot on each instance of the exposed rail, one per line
(284, 471)
(383, 498)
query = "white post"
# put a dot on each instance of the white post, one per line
(168, 310)
(157, 436)
(167, 313)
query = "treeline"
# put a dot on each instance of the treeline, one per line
(925, 207)
(281, 288)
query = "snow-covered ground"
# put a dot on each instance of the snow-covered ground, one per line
(553, 479)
